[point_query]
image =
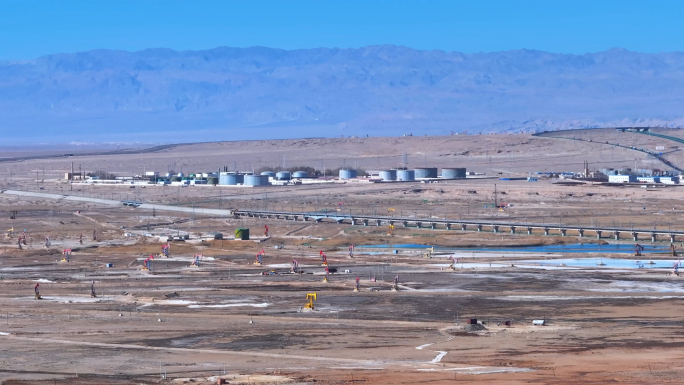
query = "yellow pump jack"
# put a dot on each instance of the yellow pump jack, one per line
(311, 297)
(390, 229)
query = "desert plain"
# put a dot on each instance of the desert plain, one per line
(609, 316)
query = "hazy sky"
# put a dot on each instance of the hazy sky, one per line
(29, 28)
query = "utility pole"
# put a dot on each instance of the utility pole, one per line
(496, 202)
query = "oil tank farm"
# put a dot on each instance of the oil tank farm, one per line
(231, 179)
(426, 172)
(388, 174)
(256, 180)
(347, 174)
(300, 174)
(453, 173)
(406, 175)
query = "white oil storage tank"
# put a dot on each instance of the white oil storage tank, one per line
(426, 172)
(230, 179)
(283, 175)
(453, 173)
(388, 174)
(406, 175)
(256, 180)
(347, 174)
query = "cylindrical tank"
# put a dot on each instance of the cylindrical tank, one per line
(388, 174)
(427, 172)
(347, 174)
(300, 174)
(283, 175)
(180, 174)
(406, 175)
(231, 179)
(269, 174)
(256, 180)
(223, 178)
(168, 175)
(212, 180)
(175, 179)
(453, 173)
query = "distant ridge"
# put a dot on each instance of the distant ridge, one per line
(164, 96)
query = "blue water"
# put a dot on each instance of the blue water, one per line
(565, 248)
(608, 262)
(400, 246)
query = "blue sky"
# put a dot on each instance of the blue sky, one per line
(30, 28)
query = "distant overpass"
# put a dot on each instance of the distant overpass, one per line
(640, 130)
(457, 224)
(599, 232)
(632, 129)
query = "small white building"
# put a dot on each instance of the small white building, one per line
(622, 178)
(648, 179)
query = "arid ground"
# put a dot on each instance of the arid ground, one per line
(232, 319)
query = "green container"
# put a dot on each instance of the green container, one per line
(242, 234)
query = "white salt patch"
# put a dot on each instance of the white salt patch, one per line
(174, 302)
(280, 265)
(74, 299)
(439, 357)
(230, 305)
(555, 298)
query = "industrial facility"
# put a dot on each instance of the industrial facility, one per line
(282, 177)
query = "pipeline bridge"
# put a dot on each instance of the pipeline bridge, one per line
(466, 225)
(370, 220)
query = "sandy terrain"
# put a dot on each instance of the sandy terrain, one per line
(226, 319)
(508, 154)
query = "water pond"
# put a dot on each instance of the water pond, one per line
(565, 248)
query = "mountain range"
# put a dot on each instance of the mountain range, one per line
(162, 95)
